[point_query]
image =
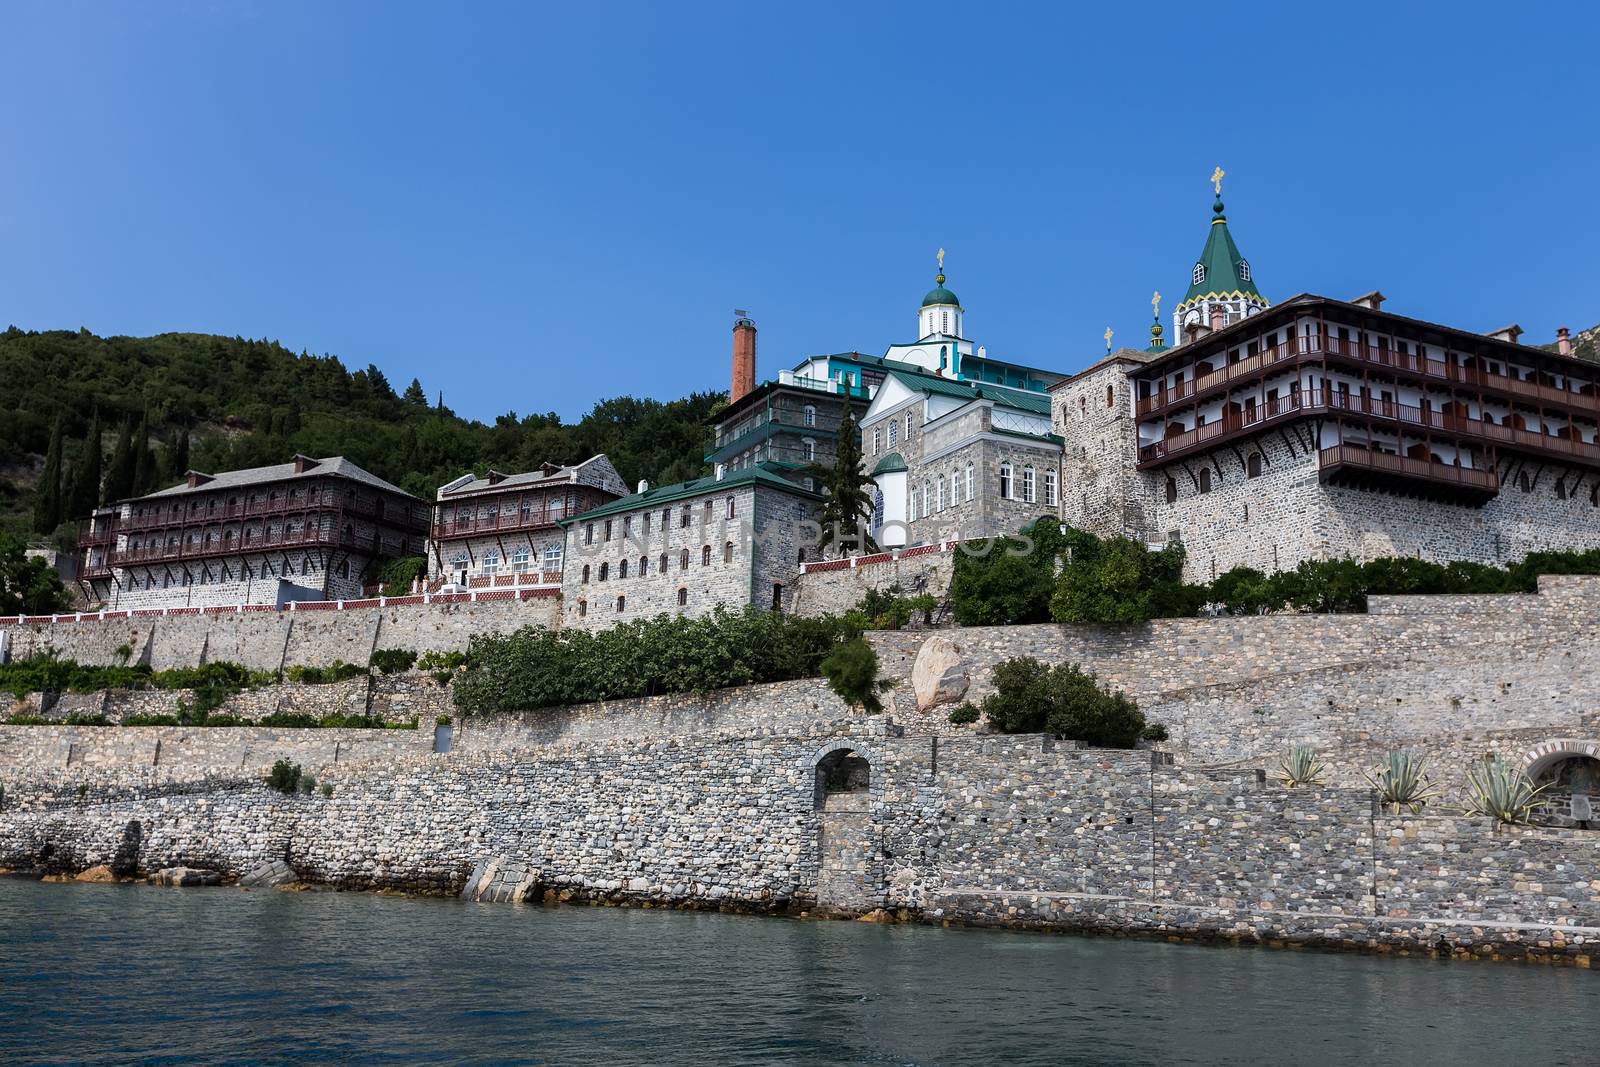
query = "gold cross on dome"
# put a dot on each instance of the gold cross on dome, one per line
(1216, 179)
(941, 259)
(1108, 338)
(1155, 304)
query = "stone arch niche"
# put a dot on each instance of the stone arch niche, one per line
(1571, 769)
(842, 778)
(847, 784)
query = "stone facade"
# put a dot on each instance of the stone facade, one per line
(728, 544)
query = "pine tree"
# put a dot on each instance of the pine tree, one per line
(119, 475)
(848, 488)
(414, 394)
(47, 505)
(84, 496)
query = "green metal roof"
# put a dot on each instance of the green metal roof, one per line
(890, 464)
(667, 494)
(941, 295)
(1020, 399)
(1226, 269)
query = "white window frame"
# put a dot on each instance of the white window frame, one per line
(491, 563)
(1050, 488)
(1027, 485)
(941, 497)
(1199, 275)
(1005, 481)
(552, 558)
(521, 560)
(894, 427)
(877, 435)
(809, 415)
(969, 484)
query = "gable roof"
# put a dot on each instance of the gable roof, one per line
(548, 474)
(695, 487)
(331, 467)
(1008, 396)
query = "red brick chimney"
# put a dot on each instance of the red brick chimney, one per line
(744, 357)
(1564, 341)
(1216, 317)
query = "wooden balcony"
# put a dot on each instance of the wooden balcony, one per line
(1315, 351)
(313, 538)
(1358, 466)
(1408, 419)
(410, 518)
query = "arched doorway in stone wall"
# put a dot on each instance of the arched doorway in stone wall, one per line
(846, 787)
(1570, 768)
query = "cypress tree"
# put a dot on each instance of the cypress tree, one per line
(849, 500)
(119, 475)
(85, 494)
(179, 453)
(47, 505)
(144, 465)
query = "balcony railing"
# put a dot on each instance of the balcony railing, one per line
(1330, 460)
(313, 538)
(1406, 418)
(1300, 351)
(411, 518)
(503, 522)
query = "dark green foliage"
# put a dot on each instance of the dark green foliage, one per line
(338, 671)
(1155, 732)
(248, 403)
(393, 660)
(1119, 580)
(397, 575)
(538, 668)
(887, 609)
(48, 507)
(1008, 580)
(285, 777)
(27, 586)
(852, 672)
(849, 491)
(964, 713)
(1062, 700)
(84, 496)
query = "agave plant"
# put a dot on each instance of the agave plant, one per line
(1500, 789)
(1301, 767)
(1401, 784)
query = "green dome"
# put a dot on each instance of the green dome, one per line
(940, 295)
(890, 464)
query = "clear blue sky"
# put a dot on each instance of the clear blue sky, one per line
(535, 206)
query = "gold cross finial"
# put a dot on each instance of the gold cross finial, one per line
(941, 259)
(1216, 179)
(1108, 338)
(1155, 304)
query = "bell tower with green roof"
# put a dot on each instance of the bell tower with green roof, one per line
(940, 313)
(1221, 279)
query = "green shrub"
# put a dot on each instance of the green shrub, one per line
(443, 720)
(441, 661)
(1012, 581)
(1030, 697)
(285, 777)
(397, 575)
(307, 784)
(1155, 732)
(1119, 580)
(852, 673)
(887, 609)
(327, 789)
(394, 660)
(338, 671)
(537, 668)
(84, 718)
(24, 719)
(150, 720)
(965, 713)
(1400, 783)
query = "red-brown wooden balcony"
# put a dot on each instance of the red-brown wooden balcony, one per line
(1408, 419)
(313, 538)
(503, 522)
(1357, 465)
(411, 518)
(1314, 350)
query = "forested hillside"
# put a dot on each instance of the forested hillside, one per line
(84, 419)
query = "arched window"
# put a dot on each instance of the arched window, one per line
(810, 415)
(1522, 482)
(1027, 484)
(491, 563)
(911, 505)
(622, 569)
(894, 432)
(908, 426)
(1205, 479)
(705, 555)
(968, 494)
(1005, 481)
(727, 552)
(622, 602)
(1244, 270)
(811, 449)
(683, 560)
(583, 608)
(605, 571)
(1111, 397)
(1252, 465)
(644, 566)
(1050, 488)
(1199, 273)
(663, 563)
(927, 497)
(730, 507)
(683, 596)
(939, 500)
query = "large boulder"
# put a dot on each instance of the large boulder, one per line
(939, 675)
(185, 876)
(268, 875)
